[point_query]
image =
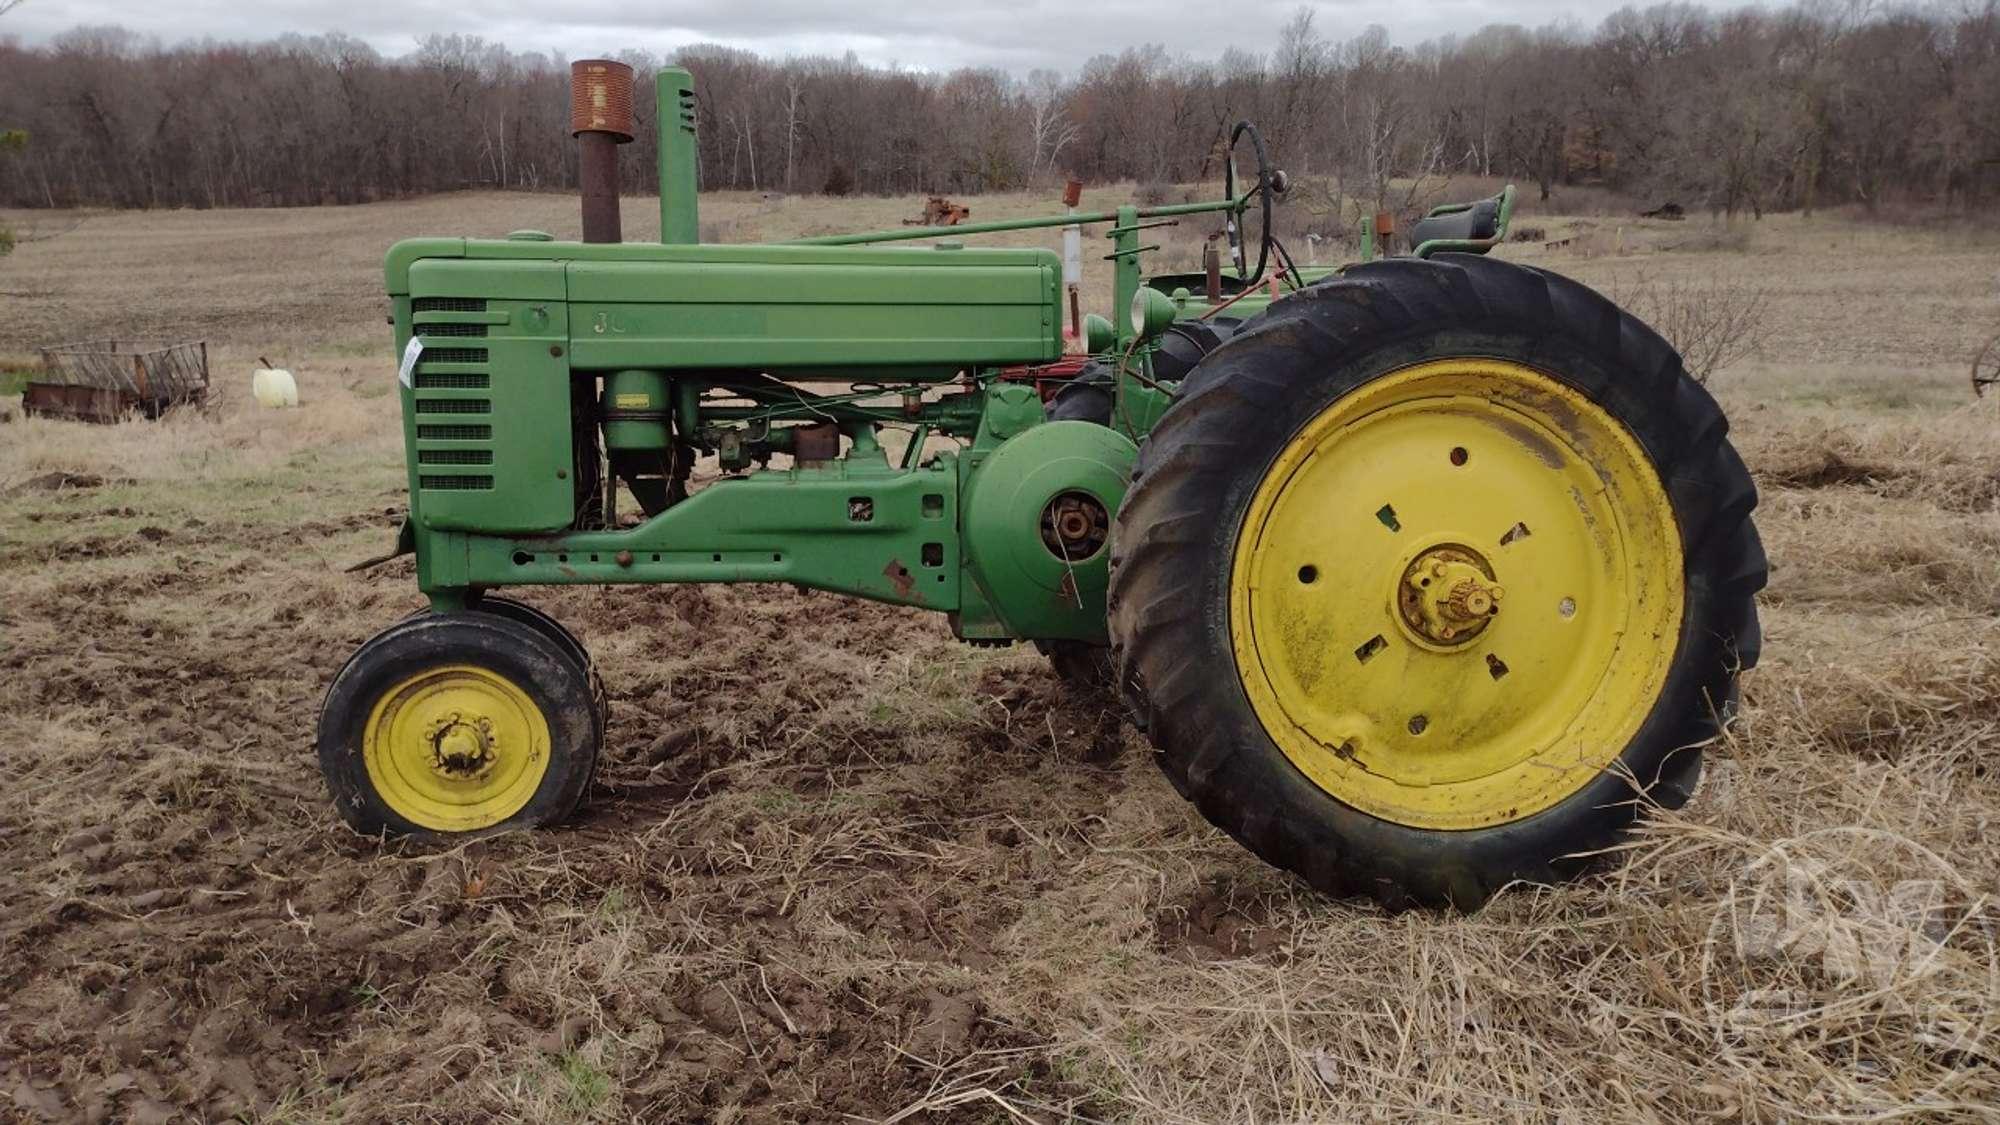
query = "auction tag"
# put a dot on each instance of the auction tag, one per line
(411, 351)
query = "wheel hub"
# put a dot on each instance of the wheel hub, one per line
(462, 750)
(1075, 526)
(1447, 596)
(456, 747)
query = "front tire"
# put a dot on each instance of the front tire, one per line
(458, 723)
(1479, 557)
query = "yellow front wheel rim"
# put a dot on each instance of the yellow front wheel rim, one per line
(1457, 594)
(456, 748)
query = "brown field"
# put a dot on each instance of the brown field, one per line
(837, 866)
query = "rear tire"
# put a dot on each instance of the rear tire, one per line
(1090, 395)
(1087, 397)
(1182, 601)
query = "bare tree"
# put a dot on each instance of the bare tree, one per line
(794, 88)
(1301, 71)
(11, 140)
(1049, 128)
(1386, 136)
(746, 132)
(1825, 102)
(1536, 100)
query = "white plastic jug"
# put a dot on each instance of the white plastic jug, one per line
(274, 386)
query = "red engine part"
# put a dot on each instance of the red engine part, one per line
(1048, 378)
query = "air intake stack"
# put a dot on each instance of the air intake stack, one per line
(679, 218)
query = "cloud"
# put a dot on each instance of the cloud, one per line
(1015, 37)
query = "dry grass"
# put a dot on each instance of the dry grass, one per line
(839, 867)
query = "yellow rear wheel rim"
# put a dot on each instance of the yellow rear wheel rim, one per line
(1457, 595)
(456, 748)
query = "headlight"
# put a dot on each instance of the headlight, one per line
(1151, 312)
(1098, 335)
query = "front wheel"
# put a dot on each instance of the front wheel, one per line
(455, 723)
(1479, 559)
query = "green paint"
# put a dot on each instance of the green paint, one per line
(780, 525)
(1032, 588)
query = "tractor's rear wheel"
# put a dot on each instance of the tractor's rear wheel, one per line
(1479, 557)
(1087, 397)
(446, 724)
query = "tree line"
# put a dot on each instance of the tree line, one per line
(1822, 103)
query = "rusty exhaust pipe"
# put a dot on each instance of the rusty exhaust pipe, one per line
(600, 118)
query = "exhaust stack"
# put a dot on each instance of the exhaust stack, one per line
(600, 118)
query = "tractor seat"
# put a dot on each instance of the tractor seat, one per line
(1474, 221)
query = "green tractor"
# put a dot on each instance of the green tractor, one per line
(1423, 576)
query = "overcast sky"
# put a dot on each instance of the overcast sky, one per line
(919, 34)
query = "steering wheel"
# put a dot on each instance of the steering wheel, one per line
(1269, 182)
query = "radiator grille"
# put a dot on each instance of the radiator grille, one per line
(455, 456)
(454, 355)
(455, 483)
(466, 381)
(467, 463)
(454, 433)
